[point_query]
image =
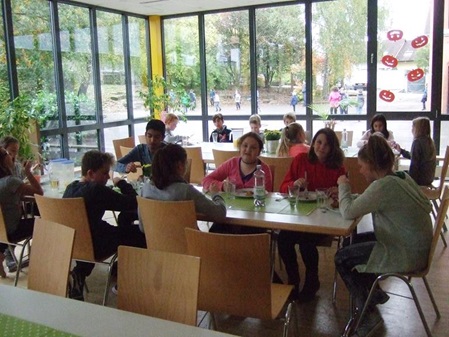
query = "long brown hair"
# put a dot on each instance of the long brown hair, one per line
(377, 153)
(291, 134)
(165, 165)
(4, 170)
(336, 155)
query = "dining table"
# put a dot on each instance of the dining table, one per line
(26, 312)
(279, 213)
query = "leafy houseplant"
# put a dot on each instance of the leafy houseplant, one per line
(324, 116)
(161, 95)
(272, 140)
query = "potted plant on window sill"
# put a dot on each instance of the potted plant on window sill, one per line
(324, 116)
(272, 140)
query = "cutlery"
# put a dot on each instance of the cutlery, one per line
(306, 191)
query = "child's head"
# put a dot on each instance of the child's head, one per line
(255, 123)
(294, 133)
(95, 166)
(171, 121)
(379, 124)
(421, 127)
(218, 120)
(289, 117)
(12, 145)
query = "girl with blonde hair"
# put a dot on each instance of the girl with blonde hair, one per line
(293, 141)
(423, 154)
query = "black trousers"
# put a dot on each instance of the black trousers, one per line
(309, 253)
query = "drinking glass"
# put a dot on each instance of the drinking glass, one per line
(293, 191)
(54, 181)
(215, 137)
(321, 199)
(229, 189)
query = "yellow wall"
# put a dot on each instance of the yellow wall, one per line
(156, 51)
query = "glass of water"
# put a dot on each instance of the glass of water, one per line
(321, 199)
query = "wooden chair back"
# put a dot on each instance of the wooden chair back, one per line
(3, 232)
(340, 135)
(124, 150)
(356, 179)
(220, 156)
(158, 284)
(142, 139)
(126, 142)
(235, 273)
(188, 171)
(198, 169)
(282, 165)
(164, 223)
(70, 212)
(50, 257)
(132, 176)
(438, 226)
(433, 192)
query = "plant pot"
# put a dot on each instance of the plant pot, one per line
(271, 145)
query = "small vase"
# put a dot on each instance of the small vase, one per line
(272, 145)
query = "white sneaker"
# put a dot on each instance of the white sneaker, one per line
(115, 290)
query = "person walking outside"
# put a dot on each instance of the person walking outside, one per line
(217, 102)
(237, 100)
(334, 100)
(294, 100)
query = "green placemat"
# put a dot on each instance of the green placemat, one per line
(272, 205)
(300, 208)
(15, 327)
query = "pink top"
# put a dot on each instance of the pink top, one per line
(231, 169)
(334, 99)
(297, 149)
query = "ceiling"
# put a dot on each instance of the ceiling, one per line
(171, 7)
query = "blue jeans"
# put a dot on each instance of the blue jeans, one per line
(357, 283)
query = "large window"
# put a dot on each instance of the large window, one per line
(228, 62)
(33, 42)
(404, 55)
(3, 67)
(281, 63)
(112, 67)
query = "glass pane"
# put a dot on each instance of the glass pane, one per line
(3, 67)
(281, 59)
(339, 30)
(404, 40)
(183, 63)
(444, 137)
(77, 65)
(33, 47)
(227, 61)
(51, 147)
(80, 143)
(112, 72)
(114, 133)
(138, 56)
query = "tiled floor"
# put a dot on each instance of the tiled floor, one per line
(320, 317)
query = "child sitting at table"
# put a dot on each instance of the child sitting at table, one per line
(293, 141)
(167, 183)
(423, 154)
(319, 168)
(12, 189)
(288, 118)
(255, 124)
(402, 229)
(378, 124)
(224, 135)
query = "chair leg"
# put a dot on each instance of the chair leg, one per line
(287, 318)
(429, 291)
(443, 239)
(334, 286)
(108, 282)
(19, 263)
(407, 281)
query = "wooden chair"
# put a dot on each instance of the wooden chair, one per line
(188, 171)
(126, 142)
(406, 277)
(164, 223)
(198, 170)
(434, 193)
(133, 176)
(350, 136)
(235, 276)
(357, 180)
(14, 241)
(158, 284)
(51, 257)
(72, 213)
(142, 139)
(282, 165)
(220, 156)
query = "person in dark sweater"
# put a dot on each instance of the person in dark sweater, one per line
(224, 135)
(99, 198)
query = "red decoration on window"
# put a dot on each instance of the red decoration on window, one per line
(420, 41)
(386, 95)
(390, 61)
(395, 35)
(415, 75)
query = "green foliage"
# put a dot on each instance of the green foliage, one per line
(272, 134)
(16, 119)
(321, 111)
(161, 95)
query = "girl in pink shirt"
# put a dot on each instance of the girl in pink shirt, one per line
(334, 100)
(293, 141)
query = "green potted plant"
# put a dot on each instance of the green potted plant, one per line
(272, 140)
(323, 113)
(160, 95)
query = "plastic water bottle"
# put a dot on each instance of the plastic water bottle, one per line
(344, 139)
(259, 187)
